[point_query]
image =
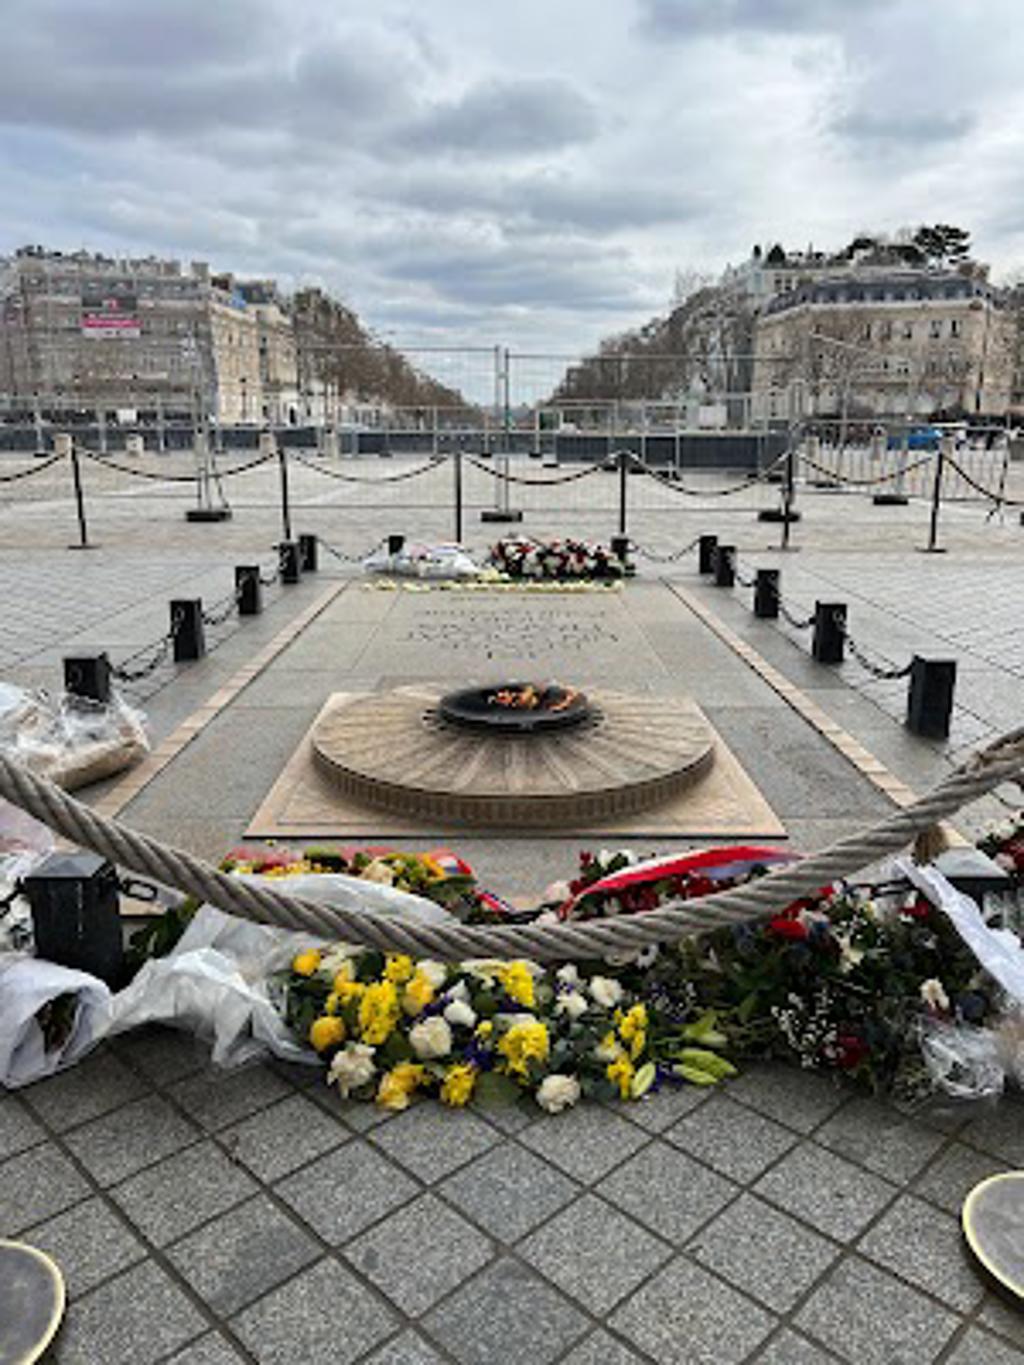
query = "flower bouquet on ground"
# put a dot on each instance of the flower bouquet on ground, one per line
(1003, 841)
(559, 560)
(389, 1028)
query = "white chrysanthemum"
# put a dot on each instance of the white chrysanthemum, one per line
(431, 1038)
(558, 1092)
(352, 1067)
(606, 991)
(569, 974)
(933, 993)
(572, 1003)
(459, 1012)
(435, 972)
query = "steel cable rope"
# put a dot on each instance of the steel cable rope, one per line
(986, 769)
(603, 467)
(384, 478)
(33, 469)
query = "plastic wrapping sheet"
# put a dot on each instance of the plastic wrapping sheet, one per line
(423, 561)
(72, 741)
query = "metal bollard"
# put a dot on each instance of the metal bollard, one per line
(396, 544)
(189, 639)
(288, 558)
(308, 553)
(829, 639)
(725, 566)
(88, 676)
(706, 554)
(930, 696)
(620, 548)
(766, 594)
(249, 589)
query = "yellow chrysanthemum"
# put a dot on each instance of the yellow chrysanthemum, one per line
(397, 1085)
(398, 968)
(345, 973)
(436, 871)
(305, 964)
(378, 1012)
(418, 994)
(348, 990)
(517, 981)
(458, 1083)
(485, 1028)
(525, 1042)
(633, 1029)
(331, 1003)
(327, 1031)
(608, 1049)
(620, 1073)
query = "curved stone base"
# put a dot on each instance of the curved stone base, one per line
(394, 751)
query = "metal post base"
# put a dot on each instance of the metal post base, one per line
(493, 514)
(208, 514)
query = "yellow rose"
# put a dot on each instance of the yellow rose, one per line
(327, 1031)
(419, 993)
(458, 1084)
(525, 1042)
(397, 1085)
(305, 964)
(378, 1012)
(398, 968)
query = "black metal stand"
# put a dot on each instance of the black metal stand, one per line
(827, 645)
(766, 594)
(83, 529)
(249, 589)
(188, 637)
(288, 557)
(706, 554)
(308, 559)
(88, 676)
(286, 511)
(933, 547)
(930, 696)
(725, 566)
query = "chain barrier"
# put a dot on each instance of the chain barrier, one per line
(794, 621)
(348, 559)
(887, 671)
(671, 558)
(677, 487)
(33, 469)
(161, 647)
(864, 483)
(106, 461)
(435, 463)
(998, 498)
(743, 582)
(603, 467)
(224, 609)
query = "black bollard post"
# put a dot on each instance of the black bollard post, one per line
(307, 553)
(249, 589)
(706, 554)
(189, 639)
(88, 676)
(288, 558)
(829, 639)
(766, 594)
(457, 461)
(624, 458)
(286, 510)
(396, 544)
(63, 444)
(930, 696)
(933, 547)
(725, 566)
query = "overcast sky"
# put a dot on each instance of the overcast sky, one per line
(531, 173)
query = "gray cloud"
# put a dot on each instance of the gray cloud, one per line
(681, 18)
(877, 128)
(507, 117)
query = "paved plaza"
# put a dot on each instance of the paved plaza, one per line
(204, 1217)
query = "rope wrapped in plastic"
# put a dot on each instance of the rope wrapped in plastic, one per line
(999, 762)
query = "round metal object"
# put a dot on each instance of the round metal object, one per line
(476, 708)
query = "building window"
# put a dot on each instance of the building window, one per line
(908, 330)
(866, 334)
(954, 327)
(885, 331)
(935, 328)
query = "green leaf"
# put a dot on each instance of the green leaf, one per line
(495, 1090)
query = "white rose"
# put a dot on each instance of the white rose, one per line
(934, 995)
(352, 1067)
(607, 992)
(431, 1038)
(337, 959)
(458, 1012)
(378, 871)
(570, 974)
(435, 972)
(573, 1004)
(460, 991)
(558, 1092)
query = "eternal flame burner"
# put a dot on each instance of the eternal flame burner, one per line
(516, 708)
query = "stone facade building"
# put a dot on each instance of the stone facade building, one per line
(885, 343)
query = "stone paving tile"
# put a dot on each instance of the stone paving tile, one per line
(287, 1135)
(93, 1087)
(137, 1135)
(511, 1118)
(35, 1185)
(951, 1177)
(209, 1350)
(831, 1194)
(506, 1313)
(789, 1349)
(508, 1191)
(923, 1245)
(585, 1142)
(18, 1129)
(601, 1349)
(342, 1193)
(419, 1254)
(999, 1131)
(242, 1254)
(977, 1347)
(765, 1253)
(684, 1316)
(323, 1316)
(1004, 1317)
(217, 1098)
(594, 1253)
(163, 1055)
(408, 1349)
(868, 1318)
(731, 1138)
(877, 1136)
(169, 1200)
(798, 1099)
(89, 1242)
(666, 1190)
(141, 1316)
(431, 1141)
(658, 1112)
